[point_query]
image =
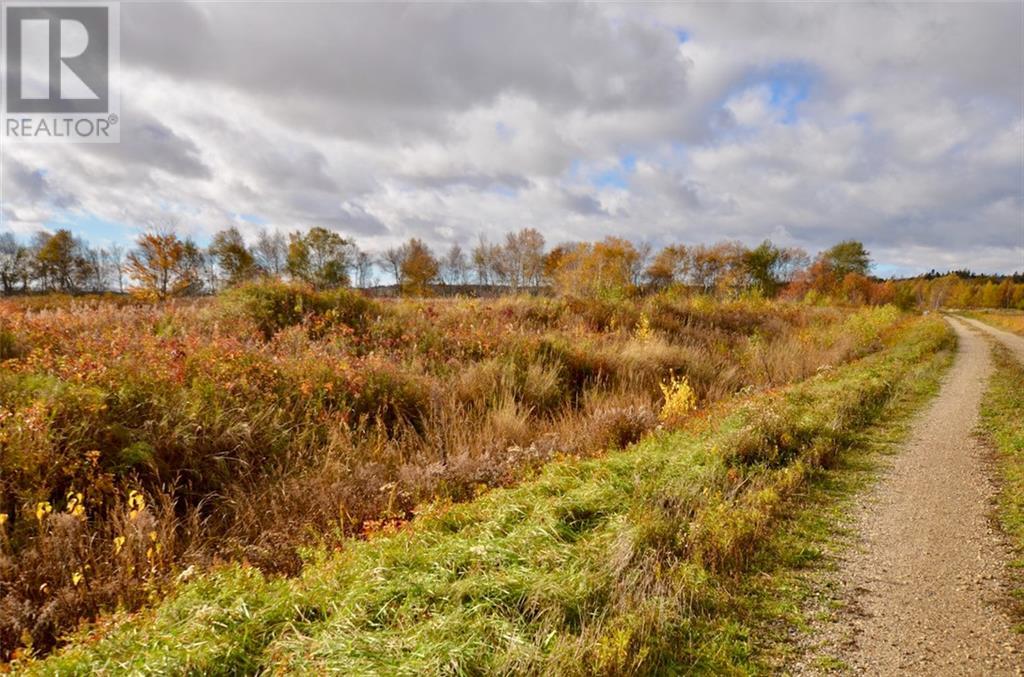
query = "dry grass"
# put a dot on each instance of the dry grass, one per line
(275, 419)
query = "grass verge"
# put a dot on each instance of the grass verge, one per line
(1002, 415)
(636, 563)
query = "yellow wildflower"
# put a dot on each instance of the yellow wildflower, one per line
(643, 331)
(76, 504)
(136, 504)
(43, 508)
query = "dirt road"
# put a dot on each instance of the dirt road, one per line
(1012, 341)
(923, 592)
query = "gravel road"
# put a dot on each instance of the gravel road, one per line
(924, 591)
(1012, 341)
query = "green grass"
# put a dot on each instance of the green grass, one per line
(1002, 414)
(669, 557)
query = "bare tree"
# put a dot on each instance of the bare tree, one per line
(363, 266)
(97, 269)
(394, 259)
(639, 266)
(271, 252)
(521, 260)
(113, 261)
(487, 263)
(14, 263)
(454, 266)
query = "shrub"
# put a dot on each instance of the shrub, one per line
(618, 427)
(345, 306)
(680, 400)
(272, 306)
(10, 347)
(390, 398)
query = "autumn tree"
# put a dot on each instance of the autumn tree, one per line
(769, 268)
(847, 257)
(990, 296)
(1005, 293)
(553, 262)
(62, 261)
(1017, 297)
(164, 265)
(419, 268)
(598, 269)
(320, 257)
(718, 267)
(233, 257)
(670, 266)
(856, 289)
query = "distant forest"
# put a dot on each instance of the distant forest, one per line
(163, 264)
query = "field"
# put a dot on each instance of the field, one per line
(273, 425)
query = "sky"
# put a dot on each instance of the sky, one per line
(901, 125)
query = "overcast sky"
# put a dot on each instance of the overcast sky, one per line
(900, 125)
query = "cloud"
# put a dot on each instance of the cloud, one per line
(35, 187)
(897, 124)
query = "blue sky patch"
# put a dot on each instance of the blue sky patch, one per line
(616, 177)
(254, 219)
(99, 232)
(789, 84)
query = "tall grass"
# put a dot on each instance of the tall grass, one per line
(614, 565)
(276, 418)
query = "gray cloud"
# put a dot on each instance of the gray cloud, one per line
(34, 187)
(586, 205)
(151, 144)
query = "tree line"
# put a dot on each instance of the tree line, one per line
(163, 264)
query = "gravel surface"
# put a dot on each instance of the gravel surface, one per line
(923, 590)
(1012, 341)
